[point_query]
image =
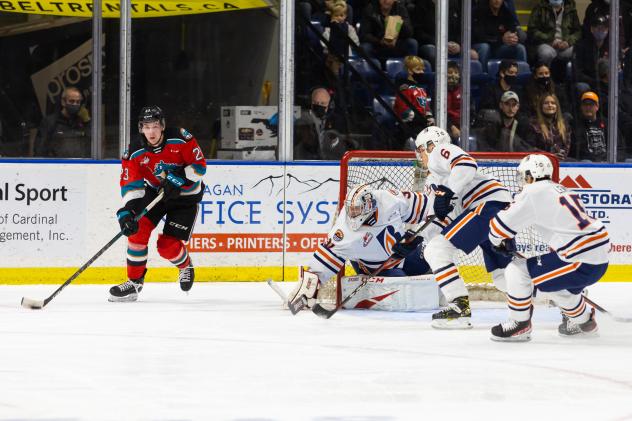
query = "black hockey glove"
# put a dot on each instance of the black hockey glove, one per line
(127, 221)
(172, 186)
(406, 245)
(442, 205)
(507, 247)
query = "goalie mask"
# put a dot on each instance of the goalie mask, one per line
(359, 206)
(432, 135)
(537, 166)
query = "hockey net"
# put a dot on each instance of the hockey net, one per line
(401, 170)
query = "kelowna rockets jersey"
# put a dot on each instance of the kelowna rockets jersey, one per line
(451, 166)
(559, 217)
(371, 245)
(179, 153)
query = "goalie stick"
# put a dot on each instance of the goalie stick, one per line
(278, 290)
(321, 311)
(606, 312)
(40, 304)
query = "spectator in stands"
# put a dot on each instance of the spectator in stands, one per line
(589, 137)
(454, 101)
(587, 52)
(411, 89)
(424, 25)
(553, 30)
(548, 130)
(338, 32)
(625, 121)
(319, 128)
(65, 133)
(507, 80)
(541, 83)
(495, 32)
(373, 26)
(504, 129)
(602, 8)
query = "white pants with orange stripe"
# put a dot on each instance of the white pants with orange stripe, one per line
(520, 293)
(441, 255)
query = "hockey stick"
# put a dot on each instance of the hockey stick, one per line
(321, 311)
(606, 312)
(278, 290)
(39, 304)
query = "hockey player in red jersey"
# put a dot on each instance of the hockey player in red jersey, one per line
(170, 160)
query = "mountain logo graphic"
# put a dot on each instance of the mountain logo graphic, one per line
(578, 183)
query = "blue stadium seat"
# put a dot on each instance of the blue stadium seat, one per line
(492, 68)
(382, 116)
(314, 39)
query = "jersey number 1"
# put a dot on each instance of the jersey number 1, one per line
(576, 210)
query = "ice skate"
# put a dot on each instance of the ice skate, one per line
(186, 277)
(588, 328)
(456, 315)
(512, 331)
(127, 291)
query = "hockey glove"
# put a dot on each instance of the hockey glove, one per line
(442, 205)
(127, 221)
(172, 186)
(507, 247)
(407, 245)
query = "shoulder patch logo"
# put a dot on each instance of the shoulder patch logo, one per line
(367, 239)
(338, 235)
(145, 160)
(185, 134)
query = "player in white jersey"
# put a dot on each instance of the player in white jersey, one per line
(579, 255)
(475, 198)
(366, 233)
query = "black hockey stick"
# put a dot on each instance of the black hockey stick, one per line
(321, 311)
(39, 304)
(606, 312)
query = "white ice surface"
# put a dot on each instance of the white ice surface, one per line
(228, 352)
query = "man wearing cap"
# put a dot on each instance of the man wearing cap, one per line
(587, 52)
(590, 139)
(506, 130)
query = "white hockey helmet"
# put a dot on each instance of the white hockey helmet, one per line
(360, 204)
(431, 135)
(537, 166)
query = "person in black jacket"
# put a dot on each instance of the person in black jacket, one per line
(507, 80)
(373, 26)
(589, 136)
(589, 49)
(495, 32)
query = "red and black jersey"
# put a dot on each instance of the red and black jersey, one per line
(179, 153)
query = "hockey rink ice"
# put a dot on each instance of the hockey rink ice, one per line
(228, 352)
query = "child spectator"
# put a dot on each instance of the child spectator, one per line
(338, 33)
(410, 88)
(454, 100)
(590, 139)
(548, 130)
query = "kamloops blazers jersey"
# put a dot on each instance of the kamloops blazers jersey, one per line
(451, 166)
(371, 244)
(180, 153)
(559, 217)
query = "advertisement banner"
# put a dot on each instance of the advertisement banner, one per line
(256, 220)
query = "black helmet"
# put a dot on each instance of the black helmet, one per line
(149, 114)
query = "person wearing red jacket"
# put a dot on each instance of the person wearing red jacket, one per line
(170, 161)
(411, 89)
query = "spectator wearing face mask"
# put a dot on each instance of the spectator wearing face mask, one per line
(602, 8)
(507, 80)
(553, 30)
(587, 52)
(454, 100)
(412, 90)
(589, 136)
(541, 84)
(65, 133)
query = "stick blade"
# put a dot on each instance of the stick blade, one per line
(297, 305)
(32, 304)
(321, 311)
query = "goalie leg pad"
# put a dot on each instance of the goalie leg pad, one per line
(307, 287)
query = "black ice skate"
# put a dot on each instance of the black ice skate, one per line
(127, 291)
(569, 328)
(186, 277)
(456, 315)
(512, 331)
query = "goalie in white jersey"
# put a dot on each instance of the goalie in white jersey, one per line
(475, 198)
(579, 258)
(367, 232)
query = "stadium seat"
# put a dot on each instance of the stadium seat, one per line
(382, 116)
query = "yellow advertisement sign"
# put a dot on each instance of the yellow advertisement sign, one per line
(140, 9)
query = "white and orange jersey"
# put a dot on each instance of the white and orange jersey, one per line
(559, 217)
(451, 166)
(371, 245)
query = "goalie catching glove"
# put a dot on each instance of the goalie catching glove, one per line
(406, 245)
(442, 203)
